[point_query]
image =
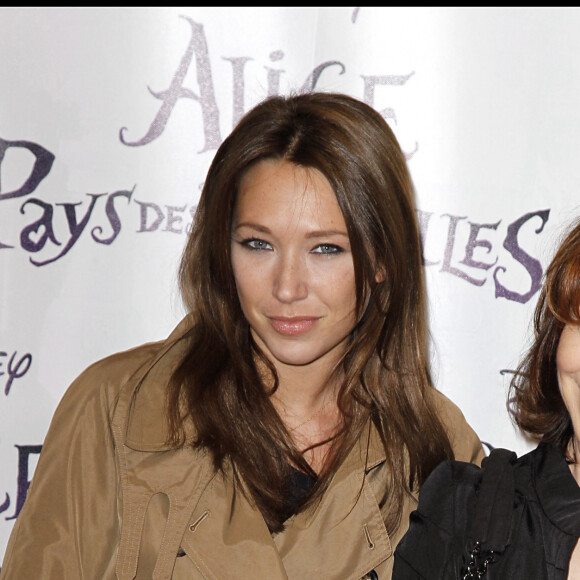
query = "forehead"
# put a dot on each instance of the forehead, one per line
(290, 192)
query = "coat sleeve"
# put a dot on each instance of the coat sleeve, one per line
(432, 548)
(69, 526)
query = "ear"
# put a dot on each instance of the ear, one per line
(381, 275)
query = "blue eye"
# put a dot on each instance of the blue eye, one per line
(256, 244)
(327, 249)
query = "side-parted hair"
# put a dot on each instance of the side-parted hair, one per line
(385, 368)
(535, 403)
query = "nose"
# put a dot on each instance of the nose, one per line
(290, 280)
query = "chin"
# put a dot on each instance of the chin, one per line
(295, 358)
(296, 361)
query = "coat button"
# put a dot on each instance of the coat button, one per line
(372, 575)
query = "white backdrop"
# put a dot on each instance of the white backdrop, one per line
(109, 118)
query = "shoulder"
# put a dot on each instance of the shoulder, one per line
(100, 385)
(448, 481)
(104, 379)
(447, 409)
(86, 410)
(456, 483)
(451, 476)
(446, 504)
(464, 441)
(119, 367)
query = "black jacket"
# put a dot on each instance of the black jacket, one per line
(542, 528)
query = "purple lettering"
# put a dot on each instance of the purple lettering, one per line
(17, 371)
(370, 82)
(424, 219)
(192, 211)
(532, 265)
(45, 222)
(75, 227)
(274, 74)
(312, 79)
(210, 113)
(41, 168)
(238, 64)
(112, 216)
(447, 267)
(145, 207)
(473, 243)
(23, 483)
(173, 219)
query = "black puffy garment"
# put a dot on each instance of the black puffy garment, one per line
(534, 501)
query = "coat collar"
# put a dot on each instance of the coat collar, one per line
(146, 427)
(557, 490)
(344, 536)
(146, 421)
(348, 517)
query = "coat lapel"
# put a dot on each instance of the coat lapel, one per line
(228, 538)
(345, 536)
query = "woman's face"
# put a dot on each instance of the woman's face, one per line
(568, 365)
(293, 264)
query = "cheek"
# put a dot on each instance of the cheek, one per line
(240, 279)
(251, 282)
(568, 353)
(239, 267)
(570, 392)
(569, 384)
(244, 287)
(568, 368)
(340, 290)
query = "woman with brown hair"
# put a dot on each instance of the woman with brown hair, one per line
(520, 518)
(283, 430)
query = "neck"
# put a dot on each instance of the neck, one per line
(303, 390)
(309, 412)
(306, 401)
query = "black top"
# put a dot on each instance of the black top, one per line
(544, 528)
(300, 485)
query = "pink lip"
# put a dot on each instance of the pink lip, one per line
(292, 326)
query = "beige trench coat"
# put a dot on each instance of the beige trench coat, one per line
(109, 500)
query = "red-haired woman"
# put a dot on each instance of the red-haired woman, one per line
(520, 518)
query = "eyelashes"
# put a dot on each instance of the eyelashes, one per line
(255, 244)
(258, 245)
(327, 249)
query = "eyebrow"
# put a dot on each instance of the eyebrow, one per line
(313, 234)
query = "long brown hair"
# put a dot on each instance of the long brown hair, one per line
(385, 368)
(535, 403)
